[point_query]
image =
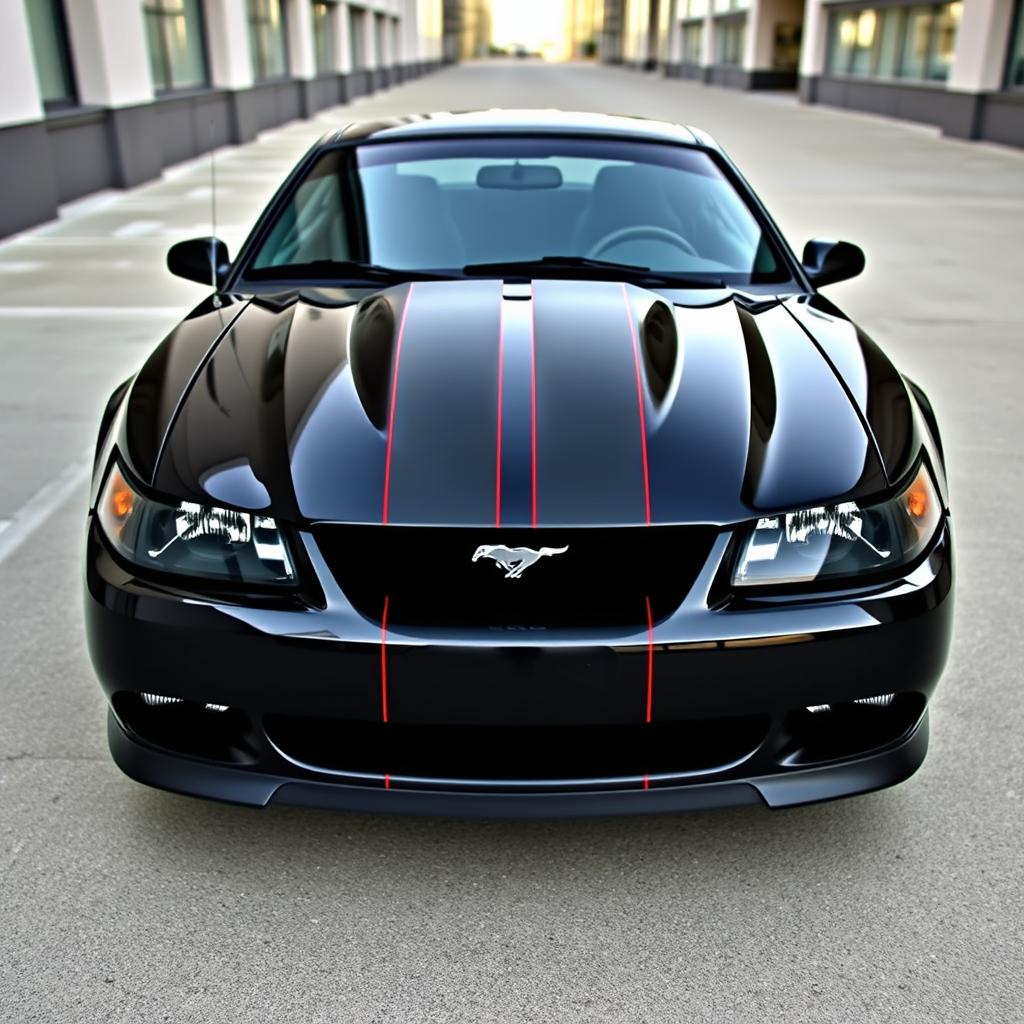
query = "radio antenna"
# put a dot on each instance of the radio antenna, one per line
(213, 212)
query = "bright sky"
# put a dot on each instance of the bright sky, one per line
(535, 24)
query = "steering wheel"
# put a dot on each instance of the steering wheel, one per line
(630, 234)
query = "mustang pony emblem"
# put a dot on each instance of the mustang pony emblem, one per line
(515, 561)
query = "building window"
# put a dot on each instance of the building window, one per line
(268, 41)
(324, 32)
(174, 34)
(914, 42)
(357, 38)
(888, 47)
(945, 23)
(730, 34)
(50, 50)
(690, 9)
(786, 46)
(693, 41)
(1015, 66)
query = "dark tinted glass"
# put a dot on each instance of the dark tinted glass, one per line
(439, 205)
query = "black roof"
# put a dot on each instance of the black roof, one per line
(487, 122)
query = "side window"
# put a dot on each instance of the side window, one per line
(312, 227)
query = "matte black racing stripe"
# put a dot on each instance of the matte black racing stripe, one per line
(590, 470)
(501, 395)
(444, 415)
(515, 481)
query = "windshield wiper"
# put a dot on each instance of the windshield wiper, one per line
(344, 270)
(549, 266)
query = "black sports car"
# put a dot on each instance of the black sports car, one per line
(516, 466)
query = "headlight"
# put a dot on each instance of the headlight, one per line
(191, 539)
(840, 540)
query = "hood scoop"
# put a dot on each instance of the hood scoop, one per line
(659, 343)
(371, 351)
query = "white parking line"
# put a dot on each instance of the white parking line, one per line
(41, 506)
(137, 228)
(20, 266)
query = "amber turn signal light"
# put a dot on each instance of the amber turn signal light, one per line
(120, 496)
(918, 497)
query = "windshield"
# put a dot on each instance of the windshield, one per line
(445, 205)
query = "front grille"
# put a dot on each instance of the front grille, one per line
(508, 755)
(429, 578)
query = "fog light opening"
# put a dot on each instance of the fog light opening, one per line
(851, 728)
(155, 700)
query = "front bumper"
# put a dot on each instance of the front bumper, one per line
(698, 670)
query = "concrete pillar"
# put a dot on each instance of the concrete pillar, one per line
(108, 39)
(979, 64)
(707, 40)
(301, 53)
(227, 43)
(19, 98)
(299, 29)
(369, 30)
(815, 41)
(752, 43)
(342, 45)
(674, 53)
(979, 60)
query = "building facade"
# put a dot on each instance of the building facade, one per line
(106, 93)
(743, 44)
(956, 65)
(583, 24)
(467, 29)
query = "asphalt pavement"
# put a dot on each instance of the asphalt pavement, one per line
(120, 903)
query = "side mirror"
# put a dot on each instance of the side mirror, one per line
(204, 260)
(826, 262)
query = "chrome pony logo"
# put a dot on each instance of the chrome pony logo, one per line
(515, 561)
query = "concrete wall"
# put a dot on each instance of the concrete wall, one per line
(120, 134)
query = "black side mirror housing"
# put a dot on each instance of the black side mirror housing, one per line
(826, 261)
(204, 260)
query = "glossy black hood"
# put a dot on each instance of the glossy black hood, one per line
(556, 403)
